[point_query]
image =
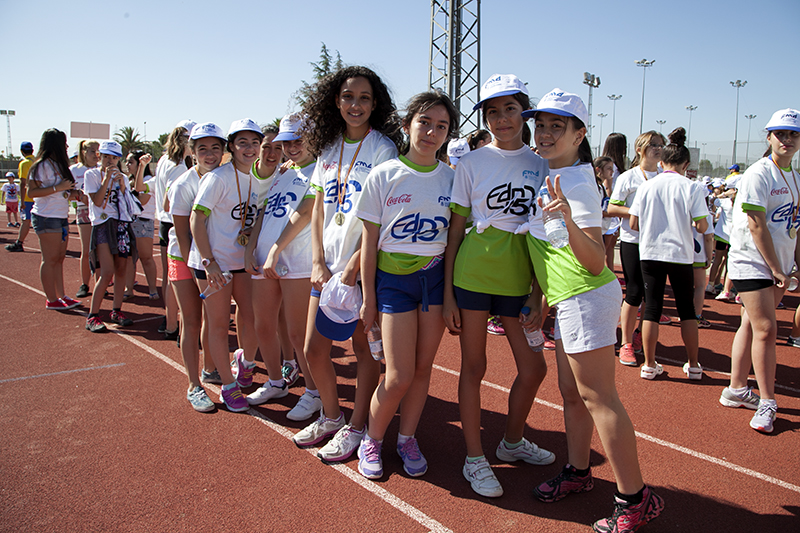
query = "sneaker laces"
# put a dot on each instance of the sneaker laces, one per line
(411, 450)
(765, 407)
(372, 451)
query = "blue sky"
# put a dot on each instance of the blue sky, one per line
(127, 62)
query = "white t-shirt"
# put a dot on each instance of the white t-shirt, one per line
(498, 186)
(166, 172)
(585, 199)
(224, 203)
(763, 188)
(341, 242)
(262, 185)
(723, 228)
(117, 205)
(149, 209)
(287, 192)
(411, 207)
(700, 241)
(78, 170)
(11, 190)
(181, 195)
(53, 205)
(666, 206)
(624, 193)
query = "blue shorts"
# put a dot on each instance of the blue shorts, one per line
(495, 304)
(50, 225)
(398, 293)
(26, 210)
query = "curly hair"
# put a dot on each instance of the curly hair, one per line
(327, 118)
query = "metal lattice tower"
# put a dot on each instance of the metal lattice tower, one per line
(455, 56)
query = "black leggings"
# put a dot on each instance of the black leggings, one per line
(681, 277)
(632, 271)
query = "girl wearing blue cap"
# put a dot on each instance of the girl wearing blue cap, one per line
(112, 207)
(763, 250)
(355, 129)
(207, 144)
(586, 294)
(488, 272)
(405, 209)
(224, 210)
(50, 184)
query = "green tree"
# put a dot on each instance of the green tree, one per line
(129, 139)
(705, 168)
(321, 68)
(156, 148)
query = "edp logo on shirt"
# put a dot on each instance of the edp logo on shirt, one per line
(276, 204)
(250, 216)
(785, 214)
(332, 193)
(416, 228)
(513, 200)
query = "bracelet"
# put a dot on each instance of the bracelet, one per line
(54, 189)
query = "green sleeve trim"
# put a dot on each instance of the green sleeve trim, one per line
(751, 207)
(697, 219)
(309, 196)
(617, 202)
(316, 188)
(370, 222)
(206, 211)
(460, 209)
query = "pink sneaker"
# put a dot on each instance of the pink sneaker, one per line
(628, 517)
(627, 356)
(241, 372)
(637, 343)
(70, 303)
(234, 400)
(494, 326)
(58, 305)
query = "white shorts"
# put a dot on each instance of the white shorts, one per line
(589, 320)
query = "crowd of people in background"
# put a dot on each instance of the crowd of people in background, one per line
(353, 221)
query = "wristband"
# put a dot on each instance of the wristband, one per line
(54, 189)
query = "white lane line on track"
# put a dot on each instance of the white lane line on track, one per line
(374, 488)
(62, 372)
(661, 442)
(405, 508)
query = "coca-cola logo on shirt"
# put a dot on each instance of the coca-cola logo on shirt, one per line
(776, 192)
(402, 199)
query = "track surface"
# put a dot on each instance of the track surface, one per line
(96, 435)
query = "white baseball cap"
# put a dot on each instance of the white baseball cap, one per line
(111, 148)
(186, 124)
(456, 149)
(717, 182)
(10, 175)
(207, 129)
(500, 85)
(561, 103)
(784, 119)
(291, 127)
(73, 154)
(245, 124)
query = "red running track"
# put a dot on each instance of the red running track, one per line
(97, 436)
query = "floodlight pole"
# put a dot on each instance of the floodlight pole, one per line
(614, 98)
(645, 64)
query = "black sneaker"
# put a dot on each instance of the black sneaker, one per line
(172, 335)
(163, 327)
(118, 318)
(95, 325)
(567, 482)
(16, 247)
(83, 291)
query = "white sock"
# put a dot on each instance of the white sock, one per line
(277, 383)
(313, 392)
(772, 402)
(738, 392)
(402, 439)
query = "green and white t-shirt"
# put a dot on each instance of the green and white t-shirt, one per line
(496, 188)
(558, 271)
(763, 188)
(181, 195)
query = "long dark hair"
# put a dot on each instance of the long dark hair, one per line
(327, 119)
(138, 155)
(616, 147)
(53, 147)
(477, 136)
(584, 149)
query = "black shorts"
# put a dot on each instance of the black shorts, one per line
(722, 246)
(749, 285)
(632, 271)
(163, 233)
(201, 274)
(681, 278)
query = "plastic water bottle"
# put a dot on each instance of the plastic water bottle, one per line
(375, 342)
(554, 224)
(793, 283)
(211, 290)
(534, 336)
(281, 270)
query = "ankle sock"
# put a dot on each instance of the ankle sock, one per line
(581, 473)
(402, 439)
(313, 392)
(513, 446)
(475, 459)
(738, 392)
(631, 499)
(230, 386)
(277, 383)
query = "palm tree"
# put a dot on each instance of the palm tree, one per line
(129, 139)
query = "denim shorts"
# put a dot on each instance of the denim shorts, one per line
(26, 210)
(50, 225)
(400, 293)
(142, 228)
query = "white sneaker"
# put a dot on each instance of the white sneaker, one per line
(318, 430)
(306, 406)
(482, 478)
(342, 445)
(693, 372)
(267, 392)
(649, 372)
(527, 451)
(764, 417)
